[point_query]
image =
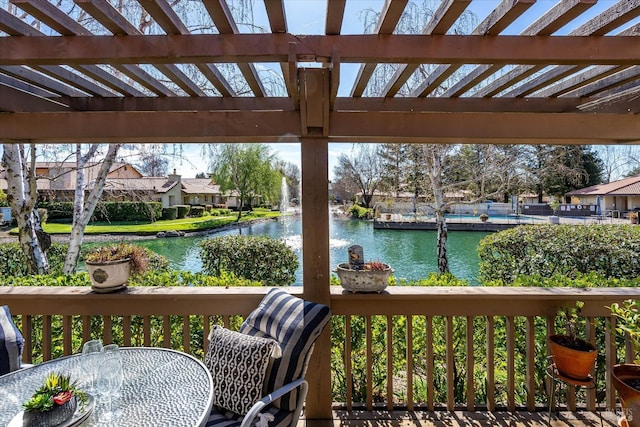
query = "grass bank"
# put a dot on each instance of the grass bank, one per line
(184, 224)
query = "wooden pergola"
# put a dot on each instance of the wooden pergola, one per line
(81, 71)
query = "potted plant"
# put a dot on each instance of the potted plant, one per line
(626, 376)
(53, 403)
(484, 217)
(573, 357)
(372, 276)
(110, 266)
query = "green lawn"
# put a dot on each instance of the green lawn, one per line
(185, 224)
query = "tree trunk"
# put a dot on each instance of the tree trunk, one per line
(83, 209)
(22, 195)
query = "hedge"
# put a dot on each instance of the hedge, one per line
(183, 210)
(170, 213)
(258, 258)
(196, 211)
(612, 251)
(107, 211)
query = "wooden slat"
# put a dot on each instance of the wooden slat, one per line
(222, 17)
(86, 328)
(530, 360)
(335, 15)
(409, 356)
(511, 339)
(610, 360)
(20, 100)
(470, 352)
(430, 362)
(369, 363)
(390, 363)
(276, 15)
(146, 331)
(41, 80)
(491, 379)
(549, 384)
(126, 331)
(107, 332)
(67, 327)
(450, 361)
(27, 333)
(46, 338)
(186, 334)
(387, 21)
(206, 329)
(166, 331)
(590, 336)
(348, 363)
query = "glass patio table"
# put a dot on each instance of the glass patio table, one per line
(161, 387)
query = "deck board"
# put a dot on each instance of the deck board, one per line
(463, 419)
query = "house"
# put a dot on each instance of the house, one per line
(617, 197)
(56, 182)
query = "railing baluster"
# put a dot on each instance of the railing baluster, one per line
(107, 331)
(389, 363)
(491, 381)
(146, 330)
(166, 331)
(46, 338)
(470, 366)
(206, 329)
(409, 363)
(86, 328)
(348, 362)
(67, 323)
(27, 332)
(629, 357)
(610, 360)
(450, 363)
(186, 334)
(590, 334)
(511, 381)
(550, 323)
(369, 333)
(530, 363)
(126, 331)
(430, 363)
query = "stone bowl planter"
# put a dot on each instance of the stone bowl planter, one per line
(53, 417)
(110, 275)
(363, 280)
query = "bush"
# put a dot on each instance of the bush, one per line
(196, 211)
(358, 212)
(170, 213)
(183, 210)
(611, 251)
(127, 211)
(258, 258)
(14, 263)
(58, 210)
(43, 215)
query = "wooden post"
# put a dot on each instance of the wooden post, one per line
(315, 257)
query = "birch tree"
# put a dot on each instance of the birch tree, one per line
(22, 195)
(84, 205)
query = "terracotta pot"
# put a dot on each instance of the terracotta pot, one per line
(575, 364)
(109, 275)
(629, 396)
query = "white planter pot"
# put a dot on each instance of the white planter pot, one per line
(363, 280)
(110, 275)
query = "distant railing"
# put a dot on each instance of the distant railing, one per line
(407, 348)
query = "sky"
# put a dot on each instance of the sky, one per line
(308, 17)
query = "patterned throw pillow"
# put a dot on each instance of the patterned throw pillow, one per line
(238, 364)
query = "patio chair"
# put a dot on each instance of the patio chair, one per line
(258, 372)
(11, 343)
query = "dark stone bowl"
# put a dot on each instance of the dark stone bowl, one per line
(53, 417)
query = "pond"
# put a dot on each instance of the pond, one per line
(411, 253)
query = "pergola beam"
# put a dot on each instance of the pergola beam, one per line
(244, 48)
(353, 126)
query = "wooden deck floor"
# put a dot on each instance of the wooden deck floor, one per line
(463, 418)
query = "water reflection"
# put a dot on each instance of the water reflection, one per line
(411, 253)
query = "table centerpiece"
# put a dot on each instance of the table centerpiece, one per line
(53, 403)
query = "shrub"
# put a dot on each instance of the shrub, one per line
(43, 215)
(127, 211)
(14, 263)
(546, 250)
(252, 257)
(183, 210)
(170, 213)
(197, 211)
(358, 212)
(58, 210)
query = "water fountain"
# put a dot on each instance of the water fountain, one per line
(284, 196)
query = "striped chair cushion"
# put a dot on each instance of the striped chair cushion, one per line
(295, 324)
(222, 418)
(11, 342)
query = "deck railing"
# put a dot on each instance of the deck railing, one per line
(411, 347)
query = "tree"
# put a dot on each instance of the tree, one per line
(246, 169)
(152, 161)
(363, 168)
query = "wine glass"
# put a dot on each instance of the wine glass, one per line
(90, 361)
(112, 350)
(108, 383)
